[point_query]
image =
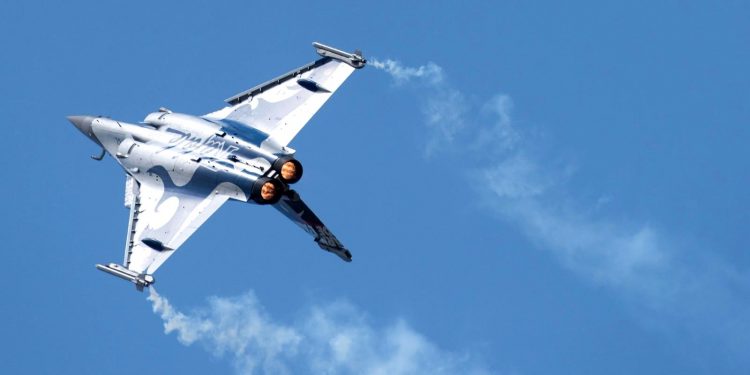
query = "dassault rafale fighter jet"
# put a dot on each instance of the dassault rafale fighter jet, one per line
(181, 168)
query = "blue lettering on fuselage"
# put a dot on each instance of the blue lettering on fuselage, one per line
(213, 146)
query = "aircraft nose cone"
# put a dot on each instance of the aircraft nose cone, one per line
(83, 123)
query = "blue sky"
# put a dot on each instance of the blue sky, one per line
(526, 189)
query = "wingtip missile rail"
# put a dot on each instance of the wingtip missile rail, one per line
(140, 280)
(354, 59)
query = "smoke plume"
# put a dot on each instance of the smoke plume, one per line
(332, 339)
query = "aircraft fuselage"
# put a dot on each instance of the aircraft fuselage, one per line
(190, 149)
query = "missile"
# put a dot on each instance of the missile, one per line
(140, 280)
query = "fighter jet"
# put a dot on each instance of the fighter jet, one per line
(181, 168)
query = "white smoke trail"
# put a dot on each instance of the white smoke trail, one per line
(445, 107)
(430, 73)
(517, 185)
(331, 339)
(633, 259)
(237, 327)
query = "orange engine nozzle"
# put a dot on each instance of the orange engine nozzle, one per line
(289, 169)
(267, 191)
